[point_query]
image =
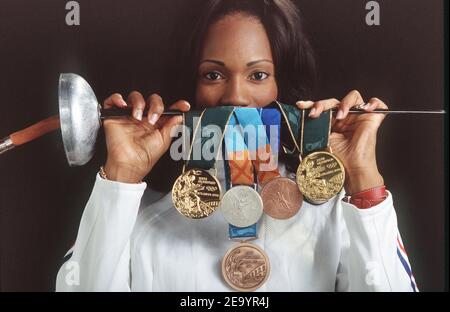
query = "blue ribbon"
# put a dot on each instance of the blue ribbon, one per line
(235, 142)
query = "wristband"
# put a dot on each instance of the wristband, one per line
(368, 198)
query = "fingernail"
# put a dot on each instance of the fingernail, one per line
(312, 112)
(153, 119)
(123, 103)
(179, 119)
(138, 114)
(340, 115)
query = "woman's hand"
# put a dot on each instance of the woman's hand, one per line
(136, 143)
(353, 138)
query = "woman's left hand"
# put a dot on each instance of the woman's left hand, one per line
(353, 138)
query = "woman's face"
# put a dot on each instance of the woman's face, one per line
(236, 65)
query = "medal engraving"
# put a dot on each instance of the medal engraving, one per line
(282, 198)
(320, 177)
(241, 206)
(245, 267)
(196, 194)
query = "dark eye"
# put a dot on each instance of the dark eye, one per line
(259, 76)
(213, 76)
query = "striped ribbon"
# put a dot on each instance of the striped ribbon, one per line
(245, 158)
(247, 155)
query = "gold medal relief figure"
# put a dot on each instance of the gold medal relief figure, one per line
(320, 176)
(196, 194)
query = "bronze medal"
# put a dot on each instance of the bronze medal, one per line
(320, 177)
(196, 194)
(282, 198)
(245, 267)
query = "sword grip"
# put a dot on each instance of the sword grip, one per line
(119, 112)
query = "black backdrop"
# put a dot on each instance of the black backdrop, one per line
(123, 45)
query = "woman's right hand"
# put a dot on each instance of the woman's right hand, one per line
(135, 144)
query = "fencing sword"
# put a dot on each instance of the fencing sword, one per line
(80, 118)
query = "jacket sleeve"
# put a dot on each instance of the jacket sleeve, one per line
(373, 257)
(100, 258)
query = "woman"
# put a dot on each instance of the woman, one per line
(243, 53)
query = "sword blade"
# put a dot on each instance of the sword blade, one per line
(387, 111)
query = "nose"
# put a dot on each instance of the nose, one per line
(236, 93)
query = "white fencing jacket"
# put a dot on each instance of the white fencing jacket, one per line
(123, 245)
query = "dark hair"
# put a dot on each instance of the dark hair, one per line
(295, 69)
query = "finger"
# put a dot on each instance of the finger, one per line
(171, 122)
(137, 102)
(304, 104)
(180, 105)
(114, 100)
(166, 130)
(156, 108)
(321, 106)
(352, 99)
(376, 103)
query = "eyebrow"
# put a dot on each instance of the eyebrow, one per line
(248, 64)
(213, 61)
(258, 61)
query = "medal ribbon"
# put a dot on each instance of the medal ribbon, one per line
(315, 132)
(240, 154)
(290, 139)
(212, 117)
(264, 154)
(305, 134)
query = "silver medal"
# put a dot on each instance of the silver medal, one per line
(241, 206)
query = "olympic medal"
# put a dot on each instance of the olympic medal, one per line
(245, 267)
(316, 203)
(320, 177)
(241, 206)
(281, 198)
(196, 194)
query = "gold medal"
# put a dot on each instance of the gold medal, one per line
(245, 267)
(320, 177)
(196, 194)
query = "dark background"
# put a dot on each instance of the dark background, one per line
(124, 45)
